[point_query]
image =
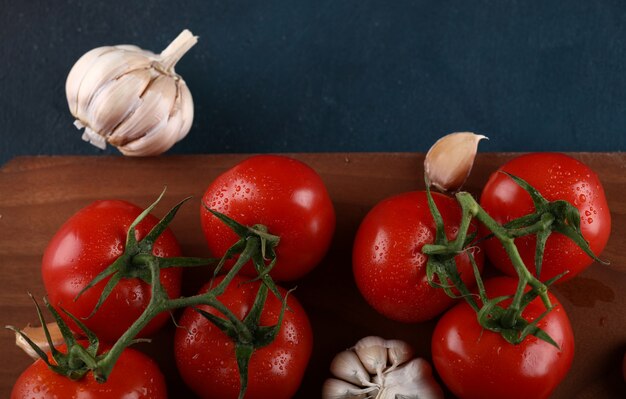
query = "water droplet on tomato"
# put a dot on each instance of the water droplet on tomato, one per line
(589, 220)
(587, 212)
(582, 198)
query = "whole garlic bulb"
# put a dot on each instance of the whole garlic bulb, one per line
(131, 98)
(380, 369)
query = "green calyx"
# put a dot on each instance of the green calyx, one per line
(134, 262)
(557, 216)
(77, 360)
(548, 217)
(255, 245)
(247, 334)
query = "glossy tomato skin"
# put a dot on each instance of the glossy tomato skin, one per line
(388, 265)
(477, 363)
(85, 245)
(286, 196)
(556, 177)
(134, 376)
(205, 356)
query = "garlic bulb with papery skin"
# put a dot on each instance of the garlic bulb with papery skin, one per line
(395, 373)
(131, 98)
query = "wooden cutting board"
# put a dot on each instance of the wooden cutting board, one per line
(37, 194)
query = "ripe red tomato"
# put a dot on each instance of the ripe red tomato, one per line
(387, 259)
(476, 363)
(556, 177)
(286, 196)
(205, 356)
(84, 246)
(134, 376)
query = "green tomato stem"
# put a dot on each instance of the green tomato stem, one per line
(504, 236)
(160, 302)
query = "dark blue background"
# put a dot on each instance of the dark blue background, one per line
(288, 75)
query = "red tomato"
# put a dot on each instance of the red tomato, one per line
(206, 356)
(85, 245)
(387, 259)
(556, 177)
(134, 376)
(286, 196)
(476, 363)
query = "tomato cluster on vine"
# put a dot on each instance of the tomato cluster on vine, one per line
(550, 209)
(113, 274)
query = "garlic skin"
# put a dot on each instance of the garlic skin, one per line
(347, 366)
(339, 389)
(372, 351)
(38, 336)
(395, 373)
(399, 352)
(413, 380)
(449, 161)
(131, 98)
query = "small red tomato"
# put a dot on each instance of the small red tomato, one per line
(134, 376)
(205, 356)
(476, 363)
(286, 196)
(556, 177)
(387, 259)
(88, 243)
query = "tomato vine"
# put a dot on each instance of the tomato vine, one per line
(548, 217)
(255, 244)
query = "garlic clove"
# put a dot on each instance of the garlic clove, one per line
(347, 366)
(398, 352)
(156, 142)
(151, 103)
(116, 101)
(338, 389)
(184, 106)
(110, 66)
(412, 380)
(373, 354)
(449, 161)
(78, 72)
(38, 336)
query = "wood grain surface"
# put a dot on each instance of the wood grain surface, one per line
(37, 194)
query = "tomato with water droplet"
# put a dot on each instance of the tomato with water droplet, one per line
(135, 376)
(387, 260)
(206, 358)
(281, 193)
(86, 244)
(476, 363)
(504, 200)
